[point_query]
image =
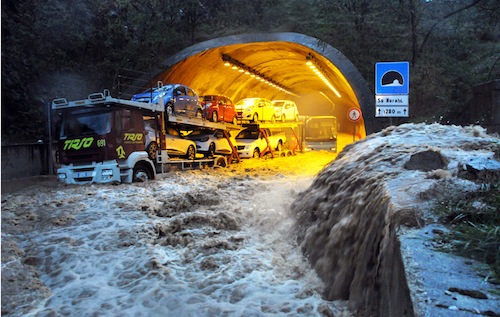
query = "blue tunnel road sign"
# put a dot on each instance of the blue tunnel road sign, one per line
(392, 78)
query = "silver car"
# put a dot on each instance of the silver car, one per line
(176, 144)
(286, 110)
(210, 142)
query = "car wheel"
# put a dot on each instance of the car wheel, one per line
(221, 161)
(215, 116)
(191, 153)
(169, 109)
(141, 173)
(199, 114)
(279, 147)
(211, 150)
(152, 149)
(283, 118)
(256, 153)
(255, 118)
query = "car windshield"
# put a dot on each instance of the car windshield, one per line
(248, 134)
(209, 98)
(198, 132)
(78, 124)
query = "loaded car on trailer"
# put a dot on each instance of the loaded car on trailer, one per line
(254, 142)
(255, 110)
(286, 110)
(218, 108)
(210, 142)
(177, 98)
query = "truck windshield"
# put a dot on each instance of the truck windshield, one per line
(248, 134)
(78, 124)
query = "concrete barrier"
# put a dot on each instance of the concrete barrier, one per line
(25, 160)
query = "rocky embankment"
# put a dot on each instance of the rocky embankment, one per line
(366, 222)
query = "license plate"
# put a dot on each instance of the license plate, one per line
(83, 174)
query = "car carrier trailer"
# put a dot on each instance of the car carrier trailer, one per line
(102, 139)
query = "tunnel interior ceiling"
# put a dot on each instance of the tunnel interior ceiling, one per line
(283, 62)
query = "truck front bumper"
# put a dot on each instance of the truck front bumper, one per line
(245, 154)
(102, 172)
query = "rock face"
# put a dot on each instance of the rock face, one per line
(348, 220)
(348, 233)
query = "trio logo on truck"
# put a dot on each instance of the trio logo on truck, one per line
(77, 144)
(132, 137)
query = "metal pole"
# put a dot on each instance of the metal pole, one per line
(51, 159)
(354, 132)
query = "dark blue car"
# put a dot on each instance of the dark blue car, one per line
(178, 99)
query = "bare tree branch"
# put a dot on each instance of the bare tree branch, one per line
(426, 38)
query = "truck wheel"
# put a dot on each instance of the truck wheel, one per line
(191, 153)
(255, 118)
(283, 118)
(256, 153)
(211, 150)
(235, 120)
(221, 161)
(141, 173)
(215, 116)
(152, 149)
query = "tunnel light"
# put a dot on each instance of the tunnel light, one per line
(312, 62)
(242, 68)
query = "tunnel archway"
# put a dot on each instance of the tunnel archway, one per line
(282, 58)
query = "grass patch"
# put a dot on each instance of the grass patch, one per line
(474, 223)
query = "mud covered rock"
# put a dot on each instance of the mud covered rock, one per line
(426, 161)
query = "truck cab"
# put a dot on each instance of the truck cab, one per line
(101, 143)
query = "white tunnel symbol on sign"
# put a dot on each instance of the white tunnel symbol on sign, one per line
(392, 78)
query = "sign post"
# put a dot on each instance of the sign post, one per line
(354, 116)
(392, 88)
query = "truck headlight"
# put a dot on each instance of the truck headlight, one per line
(107, 173)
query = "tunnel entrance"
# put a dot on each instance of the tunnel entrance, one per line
(297, 67)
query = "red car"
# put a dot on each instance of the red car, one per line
(218, 108)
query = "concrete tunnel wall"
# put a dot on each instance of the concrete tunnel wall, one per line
(200, 67)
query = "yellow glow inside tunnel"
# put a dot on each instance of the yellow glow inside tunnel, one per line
(272, 70)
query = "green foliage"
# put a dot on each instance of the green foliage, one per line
(474, 224)
(452, 45)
